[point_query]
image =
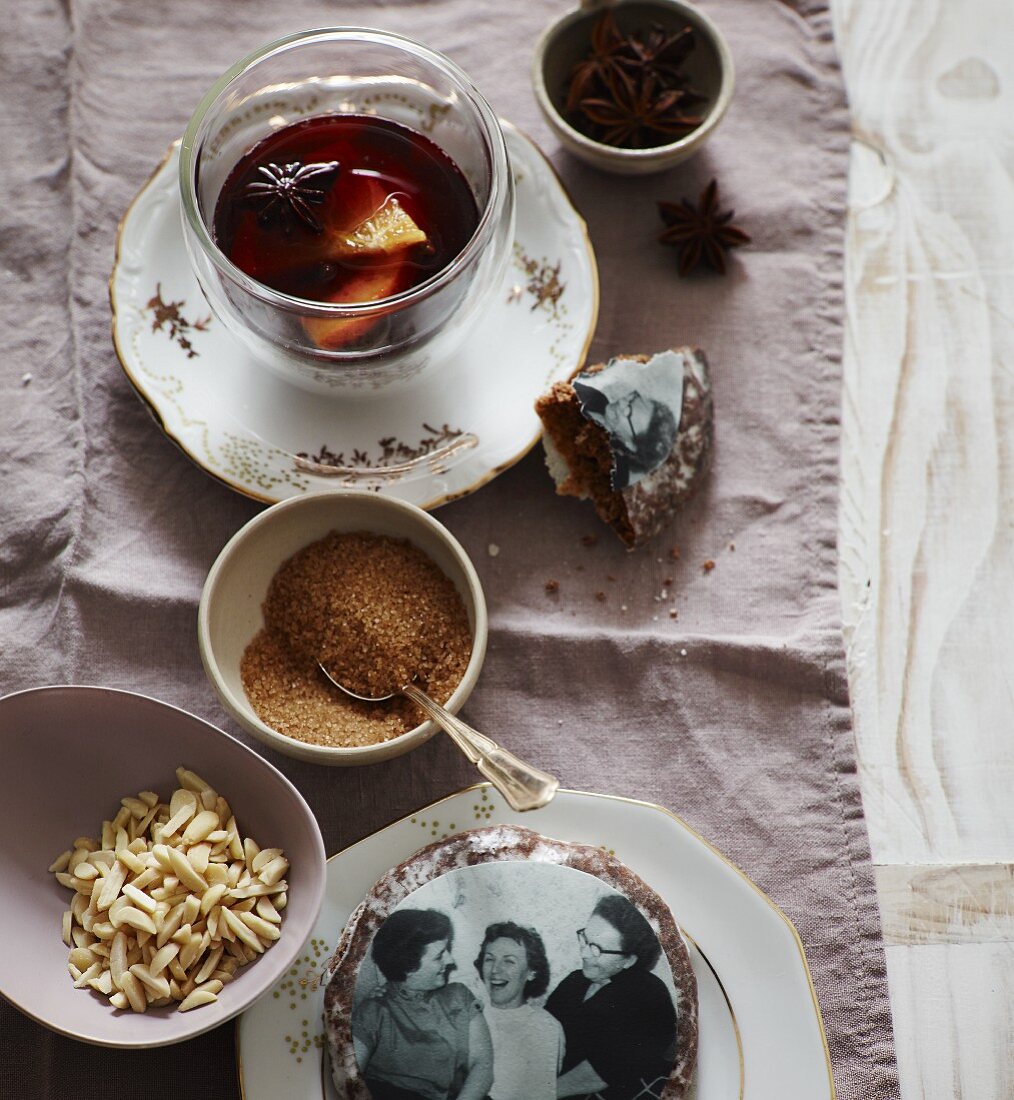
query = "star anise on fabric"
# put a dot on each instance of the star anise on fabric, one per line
(283, 192)
(702, 233)
(630, 90)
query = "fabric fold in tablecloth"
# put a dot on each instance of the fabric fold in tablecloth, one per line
(733, 712)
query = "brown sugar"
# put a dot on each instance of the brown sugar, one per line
(378, 613)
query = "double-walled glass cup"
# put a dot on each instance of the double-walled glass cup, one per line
(358, 71)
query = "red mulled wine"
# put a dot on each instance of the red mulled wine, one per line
(344, 209)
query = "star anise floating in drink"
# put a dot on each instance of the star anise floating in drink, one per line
(702, 233)
(283, 192)
(631, 90)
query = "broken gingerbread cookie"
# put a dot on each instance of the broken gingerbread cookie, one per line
(633, 435)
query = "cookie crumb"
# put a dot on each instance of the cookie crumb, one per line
(552, 586)
(674, 553)
(589, 540)
(610, 577)
(732, 546)
(600, 596)
(667, 582)
(26, 379)
(674, 614)
(708, 566)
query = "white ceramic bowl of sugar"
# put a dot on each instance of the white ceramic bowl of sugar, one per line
(230, 613)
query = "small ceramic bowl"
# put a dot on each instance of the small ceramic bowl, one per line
(230, 612)
(76, 751)
(564, 43)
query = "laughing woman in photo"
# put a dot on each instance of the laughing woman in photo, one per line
(420, 1037)
(527, 1041)
(618, 1017)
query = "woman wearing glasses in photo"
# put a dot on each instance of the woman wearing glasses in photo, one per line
(618, 1017)
(527, 1040)
(420, 1037)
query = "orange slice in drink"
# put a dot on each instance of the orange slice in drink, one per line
(382, 237)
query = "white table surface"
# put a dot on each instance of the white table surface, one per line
(927, 518)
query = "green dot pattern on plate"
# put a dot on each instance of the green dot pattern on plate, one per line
(297, 989)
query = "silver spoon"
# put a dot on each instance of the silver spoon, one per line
(523, 786)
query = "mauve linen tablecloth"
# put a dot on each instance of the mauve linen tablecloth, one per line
(735, 715)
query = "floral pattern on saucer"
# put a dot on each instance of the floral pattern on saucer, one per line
(460, 425)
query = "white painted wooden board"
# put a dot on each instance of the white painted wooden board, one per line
(927, 518)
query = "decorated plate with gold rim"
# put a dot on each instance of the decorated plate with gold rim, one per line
(442, 438)
(761, 1034)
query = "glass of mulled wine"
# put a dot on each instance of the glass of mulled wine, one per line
(348, 206)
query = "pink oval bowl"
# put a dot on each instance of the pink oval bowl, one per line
(76, 751)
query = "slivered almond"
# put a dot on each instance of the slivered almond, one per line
(191, 780)
(166, 909)
(267, 911)
(111, 886)
(140, 898)
(263, 858)
(187, 875)
(210, 964)
(92, 971)
(242, 932)
(170, 925)
(191, 907)
(273, 871)
(158, 986)
(217, 874)
(103, 983)
(136, 918)
(135, 994)
(61, 863)
(261, 928)
(197, 998)
(191, 952)
(199, 856)
(212, 896)
(204, 823)
(146, 878)
(162, 957)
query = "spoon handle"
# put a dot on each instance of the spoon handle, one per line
(523, 786)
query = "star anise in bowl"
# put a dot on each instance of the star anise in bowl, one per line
(702, 233)
(631, 90)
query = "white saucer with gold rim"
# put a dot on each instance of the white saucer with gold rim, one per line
(459, 425)
(758, 1016)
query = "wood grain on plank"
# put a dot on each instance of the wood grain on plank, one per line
(953, 1010)
(970, 903)
(926, 527)
(926, 522)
